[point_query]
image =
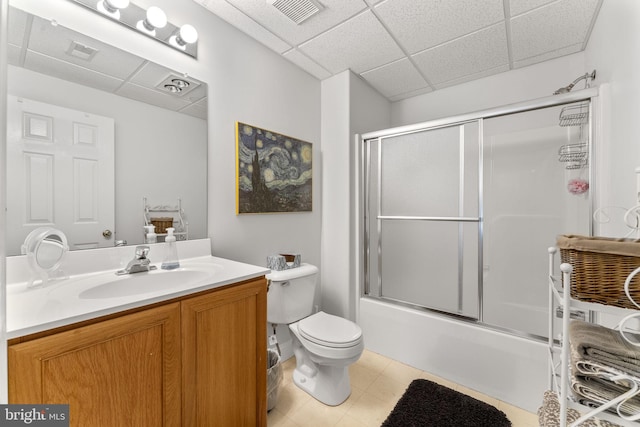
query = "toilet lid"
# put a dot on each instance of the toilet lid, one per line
(329, 330)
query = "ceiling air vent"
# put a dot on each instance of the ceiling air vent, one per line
(81, 51)
(297, 10)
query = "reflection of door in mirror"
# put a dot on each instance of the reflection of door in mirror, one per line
(63, 152)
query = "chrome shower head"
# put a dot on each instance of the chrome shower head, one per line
(587, 76)
(565, 89)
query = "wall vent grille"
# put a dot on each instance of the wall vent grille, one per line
(296, 10)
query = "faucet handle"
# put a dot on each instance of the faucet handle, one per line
(142, 252)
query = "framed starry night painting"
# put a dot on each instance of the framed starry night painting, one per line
(274, 172)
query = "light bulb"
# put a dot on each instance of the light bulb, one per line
(155, 18)
(186, 35)
(112, 7)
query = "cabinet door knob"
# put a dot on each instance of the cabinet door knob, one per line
(106, 234)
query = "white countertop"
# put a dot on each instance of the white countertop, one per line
(62, 302)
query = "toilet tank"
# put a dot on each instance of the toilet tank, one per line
(291, 293)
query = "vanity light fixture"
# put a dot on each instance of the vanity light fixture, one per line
(185, 36)
(155, 18)
(151, 22)
(112, 7)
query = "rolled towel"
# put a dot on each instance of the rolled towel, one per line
(600, 344)
(594, 391)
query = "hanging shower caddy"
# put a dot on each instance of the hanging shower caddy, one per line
(575, 155)
(575, 114)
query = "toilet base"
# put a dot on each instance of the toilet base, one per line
(328, 384)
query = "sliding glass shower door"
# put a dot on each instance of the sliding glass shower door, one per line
(536, 186)
(459, 214)
(424, 218)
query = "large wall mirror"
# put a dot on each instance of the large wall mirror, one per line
(93, 133)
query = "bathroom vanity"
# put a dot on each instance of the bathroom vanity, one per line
(189, 355)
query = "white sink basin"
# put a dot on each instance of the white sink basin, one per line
(108, 285)
(143, 283)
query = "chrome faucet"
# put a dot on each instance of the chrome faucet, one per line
(139, 263)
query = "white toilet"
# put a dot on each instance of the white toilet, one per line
(324, 345)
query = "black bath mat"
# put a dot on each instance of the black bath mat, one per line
(427, 404)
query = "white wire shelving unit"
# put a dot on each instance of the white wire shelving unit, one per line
(559, 357)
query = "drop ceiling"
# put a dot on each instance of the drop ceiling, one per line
(404, 48)
(37, 45)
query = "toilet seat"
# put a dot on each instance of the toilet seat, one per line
(330, 331)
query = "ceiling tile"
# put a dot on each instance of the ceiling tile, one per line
(196, 110)
(18, 27)
(520, 6)
(343, 48)
(333, 13)
(55, 41)
(419, 25)
(238, 19)
(476, 76)
(452, 41)
(65, 70)
(410, 94)
(548, 55)
(307, 64)
(151, 96)
(472, 54)
(551, 27)
(396, 78)
(45, 51)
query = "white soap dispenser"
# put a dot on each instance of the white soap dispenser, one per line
(171, 256)
(150, 236)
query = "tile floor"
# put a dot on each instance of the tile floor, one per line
(377, 383)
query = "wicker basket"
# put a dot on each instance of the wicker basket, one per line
(600, 267)
(162, 224)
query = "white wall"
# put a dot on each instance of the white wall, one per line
(614, 50)
(349, 107)
(253, 85)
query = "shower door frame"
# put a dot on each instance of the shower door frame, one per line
(363, 175)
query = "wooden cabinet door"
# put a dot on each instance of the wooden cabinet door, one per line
(225, 357)
(120, 372)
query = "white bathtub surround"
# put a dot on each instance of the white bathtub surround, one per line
(62, 302)
(500, 365)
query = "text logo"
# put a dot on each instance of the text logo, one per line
(34, 415)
